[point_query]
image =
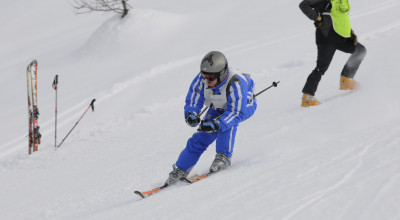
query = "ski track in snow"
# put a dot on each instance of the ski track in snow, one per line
(364, 151)
(321, 194)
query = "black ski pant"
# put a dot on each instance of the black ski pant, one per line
(327, 47)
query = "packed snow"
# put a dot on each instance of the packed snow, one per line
(339, 160)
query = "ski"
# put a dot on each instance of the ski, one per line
(151, 192)
(197, 178)
(33, 111)
(193, 179)
(30, 109)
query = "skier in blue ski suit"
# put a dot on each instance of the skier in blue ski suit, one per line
(228, 94)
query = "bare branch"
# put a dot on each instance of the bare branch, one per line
(86, 6)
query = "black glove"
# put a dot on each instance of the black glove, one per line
(354, 37)
(318, 22)
(192, 119)
(209, 126)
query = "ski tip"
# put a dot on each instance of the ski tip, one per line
(33, 63)
(140, 194)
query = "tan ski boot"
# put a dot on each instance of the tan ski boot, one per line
(348, 83)
(309, 100)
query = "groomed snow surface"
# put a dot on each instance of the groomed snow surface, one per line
(339, 160)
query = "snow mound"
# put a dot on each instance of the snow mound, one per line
(140, 25)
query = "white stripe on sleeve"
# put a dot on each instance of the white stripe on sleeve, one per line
(235, 113)
(193, 102)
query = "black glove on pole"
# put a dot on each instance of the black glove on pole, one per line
(192, 119)
(90, 106)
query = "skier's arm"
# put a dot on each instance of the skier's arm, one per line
(308, 7)
(236, 107)
(195, 96)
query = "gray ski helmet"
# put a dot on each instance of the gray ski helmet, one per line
(215, 63)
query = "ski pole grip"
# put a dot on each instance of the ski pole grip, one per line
(92, 104)
(55, 82)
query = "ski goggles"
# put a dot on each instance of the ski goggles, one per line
(209, 76)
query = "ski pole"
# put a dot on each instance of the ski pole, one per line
(55, 86)
(203, 111)
(274, 84)
(90, 106)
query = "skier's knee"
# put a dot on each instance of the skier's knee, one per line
(361, 51)
(196, 147)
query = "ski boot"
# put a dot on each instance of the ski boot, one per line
(175, 175)
(221, 161)
(347, 83)
(309, 100)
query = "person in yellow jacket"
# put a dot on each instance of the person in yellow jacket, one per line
(333, 32)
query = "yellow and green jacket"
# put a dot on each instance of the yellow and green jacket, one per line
(334, 13)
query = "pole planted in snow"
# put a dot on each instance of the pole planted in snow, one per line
(90, 106)
(55, 87)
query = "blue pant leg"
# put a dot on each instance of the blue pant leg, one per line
(226, 141)
(195, 147)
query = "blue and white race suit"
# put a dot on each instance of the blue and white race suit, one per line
(233, 99)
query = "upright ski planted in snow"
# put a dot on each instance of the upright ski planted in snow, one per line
(33, 111)
(30, 109)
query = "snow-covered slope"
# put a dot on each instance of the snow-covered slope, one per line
(339, 160)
